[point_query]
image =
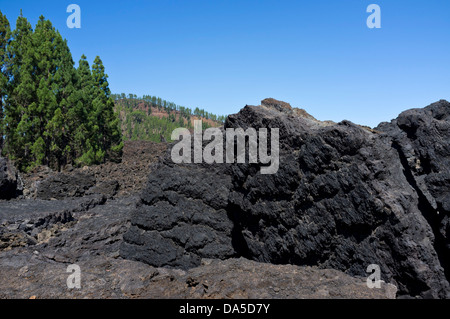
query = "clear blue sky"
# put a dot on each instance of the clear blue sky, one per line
(220, 55)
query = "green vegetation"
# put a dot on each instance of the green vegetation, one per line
(52, 113)
(139, 122)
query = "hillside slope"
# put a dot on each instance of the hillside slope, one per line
(154, 120)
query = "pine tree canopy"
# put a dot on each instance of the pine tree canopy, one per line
(5, 33)
(52, 113)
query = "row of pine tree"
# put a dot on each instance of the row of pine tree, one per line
(168, 107)
(52, 113)
(138, 124)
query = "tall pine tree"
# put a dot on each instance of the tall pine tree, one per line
(82, 116)
(106, 121)
(21, 94)
(56, 93)
(54, 114)
(4, 39)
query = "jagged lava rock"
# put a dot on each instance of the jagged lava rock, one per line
(63, 185)
(422, 139)
(10, 182)
(88, 231)
(28, 222)
(341, 199)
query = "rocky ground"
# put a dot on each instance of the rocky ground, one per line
(344, 197)
(78, 216)
(111, 179)
(88, 231)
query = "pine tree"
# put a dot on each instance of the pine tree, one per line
(55, 80)
(82, 116)
(65, 86)
(45, 125)
(54, 114)
(4, 39)
(21, 94)
(109, 136)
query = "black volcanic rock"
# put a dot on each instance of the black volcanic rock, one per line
(39, 239)
(344, 197)
(422, 139)
(64, 185)
(10, 182)
(28, 222)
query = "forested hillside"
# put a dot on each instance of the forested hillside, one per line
(51, 112)
(151, 118)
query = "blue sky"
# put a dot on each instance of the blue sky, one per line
(220, 55)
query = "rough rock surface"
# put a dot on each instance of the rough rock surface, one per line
(40, 238)
(422, 140)
(10, 181)
(89, 232)
(63, 185)
(30, 222)
(110, 179)
(23, 276)
(342, 198)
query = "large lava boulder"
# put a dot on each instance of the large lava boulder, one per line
(10, 182)
(422, 140)
(344, 197)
